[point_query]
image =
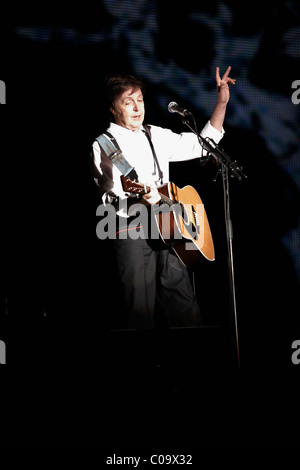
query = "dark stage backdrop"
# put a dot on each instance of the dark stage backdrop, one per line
(56, 269)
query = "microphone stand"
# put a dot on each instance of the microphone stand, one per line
(228, 169)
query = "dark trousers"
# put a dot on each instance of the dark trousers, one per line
(155, 284)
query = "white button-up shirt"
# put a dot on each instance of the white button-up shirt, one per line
(169, 147)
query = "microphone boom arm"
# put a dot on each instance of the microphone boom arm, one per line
(214, 150)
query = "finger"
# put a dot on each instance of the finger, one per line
(226, 73)
(231, 80)
(218, 78)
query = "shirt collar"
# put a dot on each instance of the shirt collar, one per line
(119, 130)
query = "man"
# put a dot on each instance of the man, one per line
(155, 284)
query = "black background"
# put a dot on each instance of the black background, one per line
(58, 279)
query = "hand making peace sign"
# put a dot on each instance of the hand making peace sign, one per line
(223, 85)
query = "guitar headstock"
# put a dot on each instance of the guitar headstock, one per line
(132, 186)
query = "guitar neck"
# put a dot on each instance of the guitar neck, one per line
(135, 187)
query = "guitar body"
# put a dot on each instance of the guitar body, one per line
(186, 229)
(181, 220)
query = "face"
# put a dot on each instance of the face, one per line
(129, 110)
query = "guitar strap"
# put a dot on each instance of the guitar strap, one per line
(114, 153)
(147, 132)
(112, 149)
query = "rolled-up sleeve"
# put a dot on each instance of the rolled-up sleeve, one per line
(184, 146)
(211, 132)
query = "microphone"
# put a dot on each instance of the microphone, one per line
(174, 108)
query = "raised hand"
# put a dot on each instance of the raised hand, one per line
(223, 85)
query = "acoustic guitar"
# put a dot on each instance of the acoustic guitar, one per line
(181, 220)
